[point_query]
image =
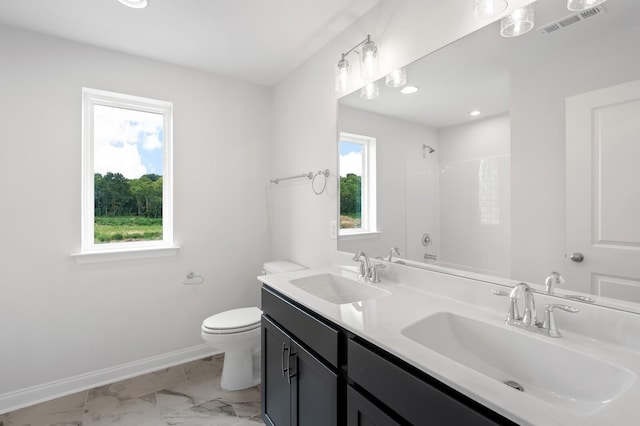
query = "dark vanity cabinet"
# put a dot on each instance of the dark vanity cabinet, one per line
(315, 373)
(299, 386)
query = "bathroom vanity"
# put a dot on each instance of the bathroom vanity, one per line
(315, 372)
(423, 347)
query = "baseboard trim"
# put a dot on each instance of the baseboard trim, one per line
(33, 395)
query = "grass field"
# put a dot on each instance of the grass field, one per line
(351, 221)
(110, 229)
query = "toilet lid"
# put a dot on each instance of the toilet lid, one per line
(235, 320)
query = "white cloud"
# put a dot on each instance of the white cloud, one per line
(351, 163)
(119, 159)
(119, 134)
(151, 142)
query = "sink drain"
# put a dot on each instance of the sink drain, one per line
(514, 385)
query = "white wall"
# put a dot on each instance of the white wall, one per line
(475, 228)
(397, 141)
(305, 113)
(65, 322)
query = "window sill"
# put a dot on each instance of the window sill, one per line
(360, 235)
(124, 254)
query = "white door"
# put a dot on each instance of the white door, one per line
(603, 191)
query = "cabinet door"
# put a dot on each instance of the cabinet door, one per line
(314, 388)
(276, 395)
(362, 412)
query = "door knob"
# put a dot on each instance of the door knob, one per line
(577, 257)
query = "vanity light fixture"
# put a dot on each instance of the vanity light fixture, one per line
(407, 90)
(519, 22)
(369, 64)
(397, 78)
(578, 5)
(370, 90)
(483, 9)
(474, 113)
(136, 4)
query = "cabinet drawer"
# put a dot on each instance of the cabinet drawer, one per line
(316, 335)
(416, 400)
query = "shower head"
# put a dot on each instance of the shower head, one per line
(431, 150)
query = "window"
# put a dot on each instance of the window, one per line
(127, 180)
(357, 184)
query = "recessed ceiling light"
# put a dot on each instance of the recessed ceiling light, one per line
(474, 113)
(136, 4)
(409, 89)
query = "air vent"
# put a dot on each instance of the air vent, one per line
(572, 19)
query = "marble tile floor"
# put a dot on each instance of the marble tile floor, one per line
(187, 394)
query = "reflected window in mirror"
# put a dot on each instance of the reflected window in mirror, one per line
(357, 168)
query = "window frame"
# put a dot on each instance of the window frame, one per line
(368, 194)
(91, 98)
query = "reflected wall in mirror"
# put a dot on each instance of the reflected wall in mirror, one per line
(548, 167)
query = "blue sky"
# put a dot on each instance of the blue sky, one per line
(127, 141)
(350, 158)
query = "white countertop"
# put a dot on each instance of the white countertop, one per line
(380, 321)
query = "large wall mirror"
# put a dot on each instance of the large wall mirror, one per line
(515, 158)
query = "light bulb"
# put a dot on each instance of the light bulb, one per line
(370, 91)
(369, 67)
(519, 22)
(484, 9)
(397, 78)
(578, 5)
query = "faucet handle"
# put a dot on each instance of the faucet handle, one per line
(375, 274)
(549, 323)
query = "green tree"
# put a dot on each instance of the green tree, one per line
(350, 194)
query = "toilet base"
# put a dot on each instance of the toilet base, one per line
(241, 369)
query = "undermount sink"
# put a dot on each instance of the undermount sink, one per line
(560, 376)
(337, 289)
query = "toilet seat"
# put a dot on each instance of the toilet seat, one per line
(233, 321)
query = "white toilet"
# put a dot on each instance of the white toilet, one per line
(237, 334)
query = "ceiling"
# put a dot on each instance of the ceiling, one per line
(258, 41)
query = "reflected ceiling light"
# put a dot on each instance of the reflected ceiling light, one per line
(370, 90)
(407, 90)
(519, 22)
(474, 113)
(136, 4)
(578, 5)
(483, 9)
(369, 64)
(397, 78)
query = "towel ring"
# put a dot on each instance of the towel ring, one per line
(315, 186)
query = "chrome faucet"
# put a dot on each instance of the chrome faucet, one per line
(552, 281)
(365, 265)
(394, 250)
(528, 319)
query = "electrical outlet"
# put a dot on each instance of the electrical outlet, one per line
(333, 229)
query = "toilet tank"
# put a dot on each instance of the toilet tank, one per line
(280, 266)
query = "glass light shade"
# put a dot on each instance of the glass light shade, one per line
(343, 76)
(370, 91)
(369, 61)
(397, 78)
(483, 9)
(583, 4)
(517, 23)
